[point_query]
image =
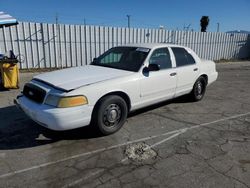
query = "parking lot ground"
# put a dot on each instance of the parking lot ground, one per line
(177, 143)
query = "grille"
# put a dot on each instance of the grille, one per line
(34, 93)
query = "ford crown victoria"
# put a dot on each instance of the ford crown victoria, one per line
(123, 79)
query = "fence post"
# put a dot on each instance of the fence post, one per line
(4, 39)
(43, 44)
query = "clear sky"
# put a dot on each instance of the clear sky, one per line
(174, 14)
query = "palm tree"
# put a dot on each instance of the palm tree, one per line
(204, 23)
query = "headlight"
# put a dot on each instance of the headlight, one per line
(65, 102)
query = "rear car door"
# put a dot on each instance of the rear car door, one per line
(161, 84)
(186, 69)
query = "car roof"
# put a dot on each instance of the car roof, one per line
(151, 45)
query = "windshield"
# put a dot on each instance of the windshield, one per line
(125, 58)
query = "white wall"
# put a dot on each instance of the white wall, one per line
(43, 45)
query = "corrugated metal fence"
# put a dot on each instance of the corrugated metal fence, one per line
(42, 45)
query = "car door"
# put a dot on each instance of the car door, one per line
(161, 84)
(186, 69)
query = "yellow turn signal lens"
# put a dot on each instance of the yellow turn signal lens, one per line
(66, 102)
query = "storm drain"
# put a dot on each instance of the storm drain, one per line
(140, 152)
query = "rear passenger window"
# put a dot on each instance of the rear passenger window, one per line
(182, 57)
(161, 57)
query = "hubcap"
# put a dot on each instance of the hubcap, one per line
(199, 89)
(112, 115)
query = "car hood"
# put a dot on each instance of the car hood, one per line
(72, 78)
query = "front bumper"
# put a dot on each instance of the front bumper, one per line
(55, 118)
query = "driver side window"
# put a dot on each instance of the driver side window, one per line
(161, 57)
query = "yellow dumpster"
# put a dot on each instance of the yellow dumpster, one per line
(9, 73)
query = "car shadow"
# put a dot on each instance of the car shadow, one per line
(17, 131)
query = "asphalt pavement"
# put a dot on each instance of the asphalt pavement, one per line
(177, 143)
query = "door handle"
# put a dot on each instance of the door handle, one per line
(195, 69)
(173, 74)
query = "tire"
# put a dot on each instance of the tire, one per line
(199, 89)
(110, 113)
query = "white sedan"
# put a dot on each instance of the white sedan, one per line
(123, 79)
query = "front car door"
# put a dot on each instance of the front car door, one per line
(158, 85)
(186, 69)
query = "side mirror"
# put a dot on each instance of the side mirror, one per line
(153, 67)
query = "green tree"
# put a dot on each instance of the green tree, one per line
(204, 23)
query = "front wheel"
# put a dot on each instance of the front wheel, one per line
(110, 114)
(199, 89)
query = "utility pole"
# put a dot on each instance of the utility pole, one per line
(56, 18)
(218, 27)
(84, 22)
(128, 16)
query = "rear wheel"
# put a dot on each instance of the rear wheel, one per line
(199, 89)
(110, 114)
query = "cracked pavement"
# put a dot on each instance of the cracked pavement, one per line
(197, 144)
